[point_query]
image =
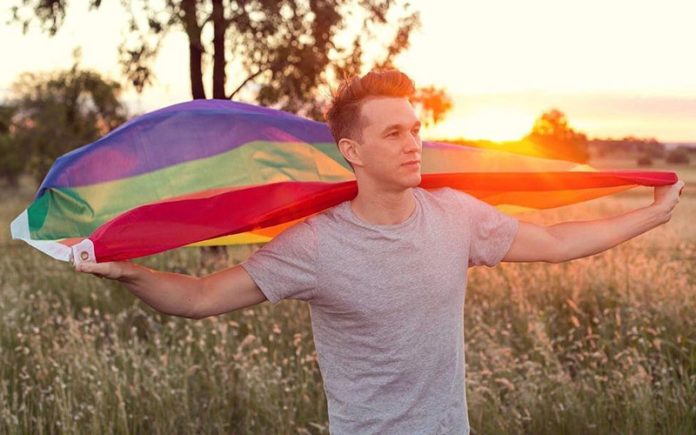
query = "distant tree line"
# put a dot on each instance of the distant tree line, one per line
(644, 150)
(649, 147)
(552, 137)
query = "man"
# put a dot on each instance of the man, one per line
(385, 273)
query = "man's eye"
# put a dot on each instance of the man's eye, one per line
(393, 134)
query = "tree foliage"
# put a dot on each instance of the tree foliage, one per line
(552, 133)
(59, 111)
(12, 160)
(432, 103)
(282, 52)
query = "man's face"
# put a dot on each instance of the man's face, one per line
(390, 147)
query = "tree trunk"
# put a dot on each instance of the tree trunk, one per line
(210, 257)
(219, 28)
(193, 30)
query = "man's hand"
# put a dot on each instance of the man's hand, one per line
(667, 197)
(110, 270)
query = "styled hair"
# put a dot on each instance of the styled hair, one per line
(343, 114)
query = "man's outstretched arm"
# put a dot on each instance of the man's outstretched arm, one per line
(183, 295)
(569, 240)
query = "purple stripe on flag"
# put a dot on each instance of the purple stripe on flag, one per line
(177, 134)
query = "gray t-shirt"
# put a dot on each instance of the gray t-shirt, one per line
(386, 303)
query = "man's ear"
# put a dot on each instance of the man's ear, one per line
(350, 150)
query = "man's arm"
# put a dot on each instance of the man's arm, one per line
(571, 240)
(183, 295)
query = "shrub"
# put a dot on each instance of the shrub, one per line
(644, 160)
(678, 156)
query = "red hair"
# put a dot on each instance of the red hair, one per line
(343, 114)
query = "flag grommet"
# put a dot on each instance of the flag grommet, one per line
(83, 252)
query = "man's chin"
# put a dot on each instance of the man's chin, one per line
(413, 181)
(417, 180)
(401, 183)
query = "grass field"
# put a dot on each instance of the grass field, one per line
(605, 344)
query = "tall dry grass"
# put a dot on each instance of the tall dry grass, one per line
(605, 344)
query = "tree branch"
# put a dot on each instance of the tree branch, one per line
(239, 88)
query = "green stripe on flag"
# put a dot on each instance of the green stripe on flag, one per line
(77, 212)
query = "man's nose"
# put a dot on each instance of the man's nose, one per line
(413, 143)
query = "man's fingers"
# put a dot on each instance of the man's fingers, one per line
(82, 267)
(110, 270)
(92, 268)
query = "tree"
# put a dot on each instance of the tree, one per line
(552, 133)
(286, 50)
(433, 104)
(12, 160)
(60, 111)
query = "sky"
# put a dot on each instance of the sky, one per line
(614, 67)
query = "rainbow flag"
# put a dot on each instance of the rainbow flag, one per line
(212, 172)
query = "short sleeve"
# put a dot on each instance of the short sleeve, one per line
(284, 268)
(492, 232)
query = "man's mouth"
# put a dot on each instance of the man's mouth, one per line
(412, 163)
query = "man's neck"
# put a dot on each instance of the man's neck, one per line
(380, 207)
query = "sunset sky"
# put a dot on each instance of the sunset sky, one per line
(615, 68)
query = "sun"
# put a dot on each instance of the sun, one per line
(490, 123)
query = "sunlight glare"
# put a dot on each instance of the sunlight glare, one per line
(494, 124)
